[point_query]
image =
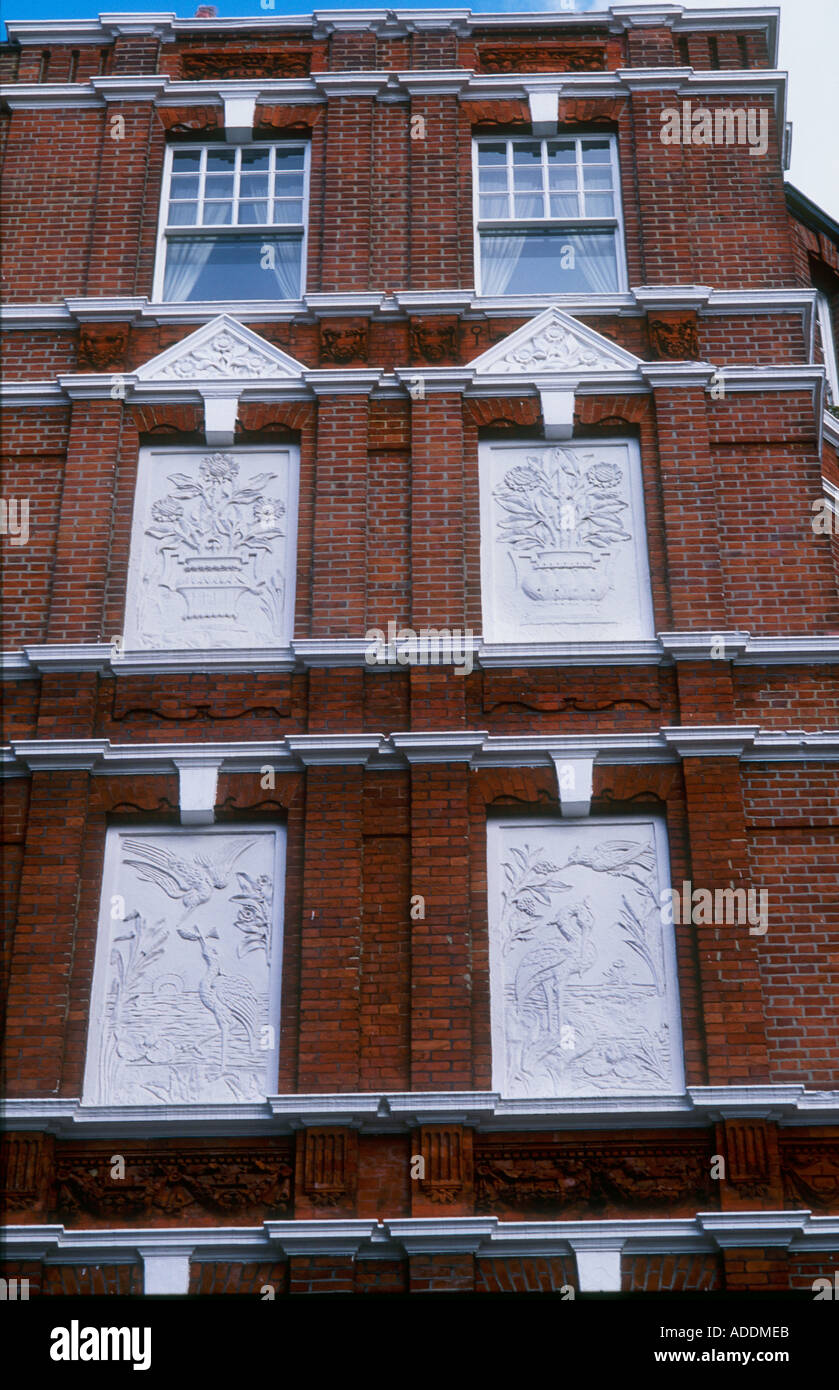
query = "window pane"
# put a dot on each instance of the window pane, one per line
(527, 153)
(492, 154)
(494, 207)
(289, 158)
(537, 262)
(527, 178)
(232, 267)
(184, 186)
(597, 176)
(219, 161)
(253, 213)
(562, 178)
(186, 161)
(599, 205)
(218, 186)
(216, 214)
(253, 160)
(529, 205)
(562, 152)
(288, 185)
(183, 214)
(253, 186)
(288, 210)
(596, 152)
(492, 180)
(565, 205)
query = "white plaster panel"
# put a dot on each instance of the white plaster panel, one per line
(563, 543)
(186, 988)
(583, 976)
(213, 549)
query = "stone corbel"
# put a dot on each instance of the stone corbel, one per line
(220, 411)
(239, 112)
(198, 785)
(544, 111)
(557, 412)
(575, 778)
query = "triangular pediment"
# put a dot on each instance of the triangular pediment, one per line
(554, 342)
(221, 350)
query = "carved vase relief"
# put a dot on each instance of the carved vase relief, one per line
(213, 547)
(564, 554)
(584, 992)
(185, 1003)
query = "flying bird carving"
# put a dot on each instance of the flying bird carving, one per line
(190, 881)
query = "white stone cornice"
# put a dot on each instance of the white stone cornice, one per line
(327, 750)
(676, 374)
(713, 741)
(315, 306)
(791, 1106)
(439, 747)
(320, 1237)
(476, 747)
(503, 655)
(483, 1236)
(705, 646)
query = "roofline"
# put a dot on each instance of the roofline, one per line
(810, 213)
(616, 19)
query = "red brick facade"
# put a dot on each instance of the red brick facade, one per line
(378, 1001)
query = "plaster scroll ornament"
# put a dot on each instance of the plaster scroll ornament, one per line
(184, 985)
(564, 555)
(210, 551)
(585, 999)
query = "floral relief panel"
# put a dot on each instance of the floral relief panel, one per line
(563, 543)
(186, 989)
(583, 977)
(213, 550)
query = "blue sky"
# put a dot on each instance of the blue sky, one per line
(809, 44)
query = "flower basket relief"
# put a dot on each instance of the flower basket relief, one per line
(563, 519)
(214, 531)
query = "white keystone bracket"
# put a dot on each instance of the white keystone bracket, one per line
(544, 112)
(166, 1271)
(238, 117)
(574, 777)
(557, 412)
(198, 784)
(220, 413)
(599, 1269)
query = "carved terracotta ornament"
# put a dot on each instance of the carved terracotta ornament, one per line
(675, 338)
(102, 346)
(542, 58)
(434, 340)
(343, 343)
(175, 1183)
(542, 1177)
(291, 62)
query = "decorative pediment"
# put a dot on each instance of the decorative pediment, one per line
(554, 342)
(221, 351)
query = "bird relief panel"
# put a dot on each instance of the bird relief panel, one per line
(186, 989)
(213, 549)
(563, 543)
(583, 978)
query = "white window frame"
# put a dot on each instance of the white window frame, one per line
(570, 224)
(828, 342)
(164, 231)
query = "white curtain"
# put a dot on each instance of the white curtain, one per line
(595, 258)
(286, 266)
(499, 258)
(184, 262)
